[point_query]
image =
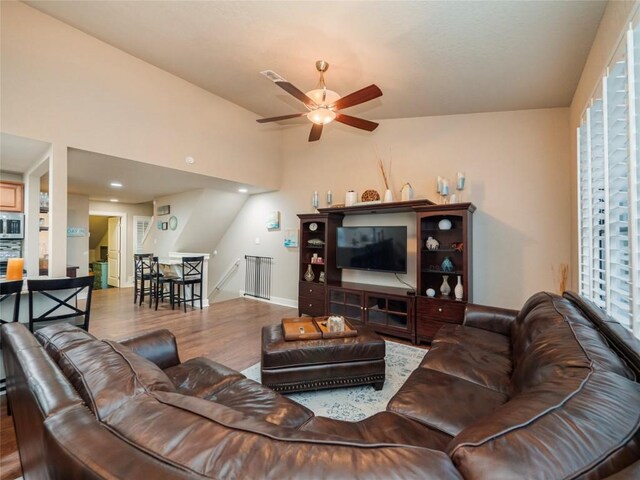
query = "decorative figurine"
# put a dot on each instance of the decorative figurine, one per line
(432, 244)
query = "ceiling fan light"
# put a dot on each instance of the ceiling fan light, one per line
(318, 96)
(321, 116)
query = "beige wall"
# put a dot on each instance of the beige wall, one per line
(517, 166)
(73, 90)
(78, 247)
(611, 32)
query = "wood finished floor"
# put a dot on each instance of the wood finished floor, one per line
(227, 332)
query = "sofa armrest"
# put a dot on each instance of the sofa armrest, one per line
(158, 347)
(493, 319)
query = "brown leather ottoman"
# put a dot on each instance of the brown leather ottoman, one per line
(316, 364)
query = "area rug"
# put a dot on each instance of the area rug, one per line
(357, 403)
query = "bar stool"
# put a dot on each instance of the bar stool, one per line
(141, 276)
(158, 283)
(192, 276)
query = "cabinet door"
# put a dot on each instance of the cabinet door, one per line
(346, 303)
(11, 197)
(388, 311)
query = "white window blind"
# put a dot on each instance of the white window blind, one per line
(609, 190)
(141, 226)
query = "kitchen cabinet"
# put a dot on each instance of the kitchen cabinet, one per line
(11, 196)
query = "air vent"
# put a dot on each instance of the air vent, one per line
(273, 76)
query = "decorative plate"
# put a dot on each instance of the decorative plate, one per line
(370, 195)
(173, 223)
(313, 226)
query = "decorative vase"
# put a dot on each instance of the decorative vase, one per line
(406, 193)
(432, 244)
(388, 196)
(459, 291)
(447, 265)
(309, 276)
(445, 289)
(444, 224)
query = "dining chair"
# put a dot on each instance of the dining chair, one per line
(9, 290)
(158, 283)
(141, 276)
(57, 300)
(191, 276)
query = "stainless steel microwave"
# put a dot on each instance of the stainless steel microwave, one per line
(11, 225)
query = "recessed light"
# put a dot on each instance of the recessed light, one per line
(116, 184)
(113, 200)
(190, 160)
(243, 190)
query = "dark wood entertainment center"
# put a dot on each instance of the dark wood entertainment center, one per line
(393, 311)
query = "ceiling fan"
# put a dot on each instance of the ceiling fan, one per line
(324, 105)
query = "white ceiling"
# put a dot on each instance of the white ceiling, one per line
(91, 173)
(429, 58)
(18, 154)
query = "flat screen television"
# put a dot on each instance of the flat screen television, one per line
(372, 248)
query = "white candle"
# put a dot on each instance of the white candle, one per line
(445, 187)
(460, 184)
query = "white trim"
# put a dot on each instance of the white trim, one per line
(285, 302)
(605, 163)
(634, 214)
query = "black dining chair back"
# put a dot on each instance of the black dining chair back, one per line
(58, 301)
(192, 276)
(8, 291)
(141, 276)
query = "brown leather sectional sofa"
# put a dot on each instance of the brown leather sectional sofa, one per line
(547, 392)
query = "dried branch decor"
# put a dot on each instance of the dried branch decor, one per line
(560, 277)
(386, 173)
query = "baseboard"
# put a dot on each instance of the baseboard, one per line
(285, 302)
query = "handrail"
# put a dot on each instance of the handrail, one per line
(228, 274)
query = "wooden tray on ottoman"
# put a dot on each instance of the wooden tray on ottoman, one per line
(291, 329)
(312, 328)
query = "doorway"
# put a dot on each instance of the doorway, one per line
(107, 242)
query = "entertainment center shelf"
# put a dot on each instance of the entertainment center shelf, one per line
(396, 311)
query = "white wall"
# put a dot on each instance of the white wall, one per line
(517, 166)
(78, 247)
(611, 31)
(203, 218)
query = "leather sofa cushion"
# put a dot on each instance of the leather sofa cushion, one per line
(485, 340)
(261, 402)
(383, 427)
(444, 402)
(212, 440)
(60, 337)
(276, 352)
(201, 377)
(204, 378)
(580, 425)
(106, 374)
(471, 363)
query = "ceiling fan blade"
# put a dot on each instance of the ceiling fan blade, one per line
(316, 131)
(356, 122)
(292, 90)
(283, 117)
(289, 88)
(363, 95)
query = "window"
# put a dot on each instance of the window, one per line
(141, 227)
(608, 190)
